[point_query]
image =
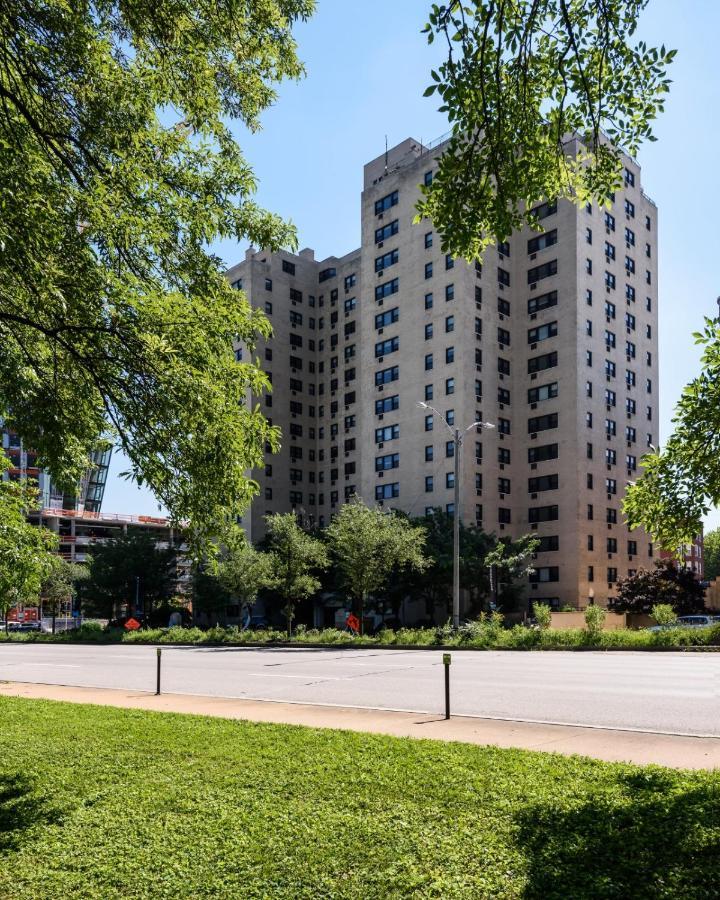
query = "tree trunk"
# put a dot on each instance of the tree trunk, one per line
(288, 614)
(53, 618)
(362, 614)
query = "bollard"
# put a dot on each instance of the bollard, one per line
(446, 665)
(159, 657)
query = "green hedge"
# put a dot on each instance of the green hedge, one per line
(478, 635)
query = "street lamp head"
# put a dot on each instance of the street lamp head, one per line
(423, 405)
(487, 424)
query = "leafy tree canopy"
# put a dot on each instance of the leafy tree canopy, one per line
(520, 77)
(116, 567)
(242, 570)
(61, 582)
(369, 543)
(117, 170)
(665, 584)
(27, 554)
(711, 554)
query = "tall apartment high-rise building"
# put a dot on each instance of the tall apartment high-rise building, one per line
(553, 339)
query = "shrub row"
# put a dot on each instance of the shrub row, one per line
(488, 635)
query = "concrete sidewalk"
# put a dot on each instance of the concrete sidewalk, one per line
(676, 751)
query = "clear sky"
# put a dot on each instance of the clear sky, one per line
(367, 67)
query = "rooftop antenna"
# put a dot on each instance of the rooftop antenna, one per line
(386, 156)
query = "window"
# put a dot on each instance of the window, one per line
(589, 480)
(429, 485)
(588, 357)
(288, 267)
(386, 202)
(632, 548)
(629, 209)
(629, 265)
(503, 336)
(504, 516)
(609, 250)
(429, 422)
(449, 324)
(450, 416)
(630, 378)
(630, 321)
(588, 296)
(611, 575)
(534, 245)
(429, 453)
(428, 392)
(449, 385)
(382, 348)
(543, 453)
(382, 234)
(629, 293)
(427, 179)
(387, 318)
(386, 260)
(610, 340)
(386, 289)
(504, 426)
(588, 266)
(631, 462)
(544, 574)
(387, 491)
(449, 261)
(588, 235)
(542, 483)
(428, 270)
(503, 454)
(295, 318)
(428, 331)
(610, 368)
(630, 434)
(630, 349)
(610, 397)
(428, 240)
(268, 284)
(449, 292)
(542, 514)
(542, 332)
(503, 485)
(611, 485)
(544, 392)
(544, 209)
(389, 461)
(449, 449)
(589, 419)
(387, 404)
(540, 363)
(428, 361)
(503, 366)
(449, 354)
(478, 326)
(428, 301)
(449, 479)
(629, 178)
(548, 543)
(588, 327)
(385, 376)
(629, 237)
(504, 248)
(268, 308)
(544, 301)
(609, 221)
(589, 450)
(325, 274)
(503, 277)
(590, 512)
(609, 281)
(350, 304)
(610, 456)
(503, 396)
(648, 304)
(542, 423)
(544, 271)
(630, 406)
(503, 306)
(388, 433)
(610, 427)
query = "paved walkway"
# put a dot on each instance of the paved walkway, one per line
(607, 744)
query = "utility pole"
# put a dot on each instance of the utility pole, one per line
(457, 436)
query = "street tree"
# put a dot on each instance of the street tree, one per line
(242, 570)
(27, 552)
(60, 585)
(510, 560)
(521, 77)
(711, 554)
(125, 567)
(118, 169)
(665, 584)
(368, 543)
(295, 558)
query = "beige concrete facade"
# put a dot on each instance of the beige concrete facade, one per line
(359, 340)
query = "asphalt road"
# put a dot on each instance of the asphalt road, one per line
(667, 692)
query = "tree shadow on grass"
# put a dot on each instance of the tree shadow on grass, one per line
(650, 838)
(21, 811)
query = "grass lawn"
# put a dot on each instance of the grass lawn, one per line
(98, 802)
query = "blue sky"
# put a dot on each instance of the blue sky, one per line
(367, 67)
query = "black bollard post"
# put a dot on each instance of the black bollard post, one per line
(159, 656)
(446, 666)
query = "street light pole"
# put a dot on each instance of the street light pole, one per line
(457, 436)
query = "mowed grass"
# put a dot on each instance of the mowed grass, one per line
(99, 802)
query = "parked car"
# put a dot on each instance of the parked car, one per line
(699, 621)
(24, 626)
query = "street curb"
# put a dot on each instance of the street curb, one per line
(291, 645)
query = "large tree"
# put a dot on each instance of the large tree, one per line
(711, 554)
(26, 552)
(368, 543)
(127, 567)
(296, 557)
(60, 585)
(117, 170)
(519, 79)
(665, 584)
(242, 570)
